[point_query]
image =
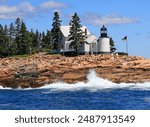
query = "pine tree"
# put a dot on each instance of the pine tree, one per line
(43, 40)
(12, 45)
(18, 24)
(25, 45)
(36, 39)
(76, 35)
(48, 42)
(11, 33)
(4, 42)
(32, 37)
(56, 33)
(40, 40)
(7, 43)
(112, 46)
(6, 30)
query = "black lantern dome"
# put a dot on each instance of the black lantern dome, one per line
(103, 31)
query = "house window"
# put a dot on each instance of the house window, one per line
(70, 47)
(93, 46)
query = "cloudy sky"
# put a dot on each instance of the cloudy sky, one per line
(122, 18)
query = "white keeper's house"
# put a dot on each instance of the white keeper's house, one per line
(93, 45)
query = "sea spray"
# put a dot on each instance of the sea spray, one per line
(1, 87)
(94, 83)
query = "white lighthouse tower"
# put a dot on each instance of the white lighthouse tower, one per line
(103, 43)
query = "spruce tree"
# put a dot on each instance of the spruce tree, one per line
(56, 33)
(25, 45)
(32, 38)
(112, 46)
(12, 45)
(76, 35)
(4, 42)
(43, 38)
(11, 32)
(36, 43)
(40, 40)
(6, 30)
(18, 34)
(48, 41)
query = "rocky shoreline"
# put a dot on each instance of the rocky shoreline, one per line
(40, 69)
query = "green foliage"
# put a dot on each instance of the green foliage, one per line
(17, 33)
(56, 33)
(4, 42)
(76, 35)
(112, 46)
(25, 45)
(15, 39)
(48, 43)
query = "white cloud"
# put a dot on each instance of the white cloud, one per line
(25, 9)
(96, 19)
(8, 17)
(7, 9)
(12, 12)
(52, 4)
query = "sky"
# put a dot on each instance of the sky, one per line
(122, 18)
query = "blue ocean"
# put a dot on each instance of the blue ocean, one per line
(96, 94)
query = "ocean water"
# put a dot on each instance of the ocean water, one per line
(96, 94)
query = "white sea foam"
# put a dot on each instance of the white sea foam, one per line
(1, 87)
(4, 88)
(93, 83)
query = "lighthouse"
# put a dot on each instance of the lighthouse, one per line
(103, 43)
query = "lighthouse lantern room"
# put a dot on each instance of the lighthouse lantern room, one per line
(103, 42)
(103, 31)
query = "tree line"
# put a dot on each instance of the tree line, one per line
(15, 39)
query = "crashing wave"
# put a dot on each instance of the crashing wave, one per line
(93, 83)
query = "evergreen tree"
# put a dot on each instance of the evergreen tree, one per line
(32, 37)
(56, 33)
(36, 39)
(6, 30)
(12, 45)
(4, 42)
(11, 33)
(40, 40)
(48, 41)
(18, 24)
(76, 35)
(112, 46)
(25, 45)
(43, 40)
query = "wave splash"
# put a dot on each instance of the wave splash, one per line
(94, 83)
